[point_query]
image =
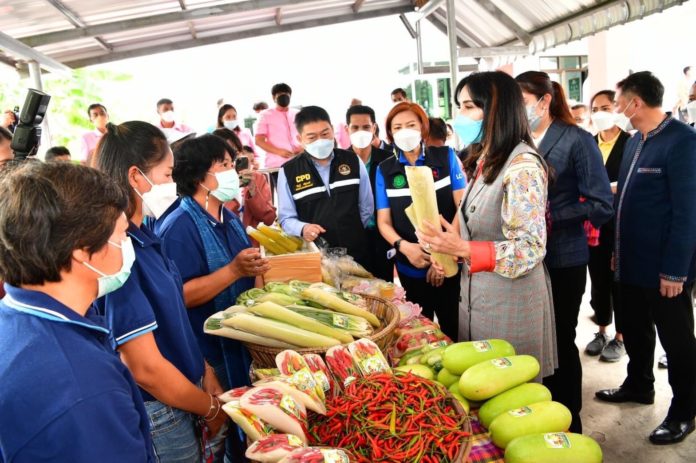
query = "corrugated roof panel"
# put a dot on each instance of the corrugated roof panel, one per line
(97, 12)
(19, 18)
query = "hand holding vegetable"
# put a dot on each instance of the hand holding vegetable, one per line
(415, 254)
(249, 263)
(216, 418)
(434, 239)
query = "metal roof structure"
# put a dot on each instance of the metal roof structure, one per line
(64, 34)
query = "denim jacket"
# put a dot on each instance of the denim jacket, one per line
(577, 171)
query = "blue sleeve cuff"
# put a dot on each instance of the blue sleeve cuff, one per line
(136, 333)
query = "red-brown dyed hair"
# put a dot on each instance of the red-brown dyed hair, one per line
(416, 109)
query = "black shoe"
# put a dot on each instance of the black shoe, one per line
(671, 432)
(662, 361)
(624, 395)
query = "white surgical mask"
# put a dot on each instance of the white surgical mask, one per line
(168, 116)
(228, 185)
(622, 121)
(603, 120)
(533, 117)
(320, 149)
(407, 139)
(110, 283)
(691, 109)
(158, 199)
(361, 139)
(231, 124)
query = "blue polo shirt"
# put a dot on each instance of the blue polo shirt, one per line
(66, 395)
(382, 201)
(182, 243)
(154, 291)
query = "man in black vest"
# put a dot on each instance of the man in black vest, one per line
(360, 124)
(325, 191)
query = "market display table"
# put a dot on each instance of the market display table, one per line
(482, 449)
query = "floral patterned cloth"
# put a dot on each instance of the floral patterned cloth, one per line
(524, 221)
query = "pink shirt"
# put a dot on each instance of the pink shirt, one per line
(342, 137)
(179, 127)
(279, 129)
(246, 138)
(89, 144)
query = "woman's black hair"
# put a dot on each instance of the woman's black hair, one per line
(221, 112)
(193, 160)
(505, 122)
(133, 143)
(232, 139)
(47, 211)
(539, 84)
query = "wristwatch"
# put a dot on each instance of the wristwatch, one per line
(397, 244)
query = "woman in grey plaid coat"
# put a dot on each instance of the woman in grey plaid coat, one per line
(501, 232)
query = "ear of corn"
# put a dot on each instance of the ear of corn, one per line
(278, 298)
(422, 186)
(214, 325)
(276, 312)
(279, 331)
(266, 242)
(353, 324)
(336, 303)
(279, 237)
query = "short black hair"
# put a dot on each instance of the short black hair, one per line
(248, 149)
(47, 211)
(5, 134)
(194, 158)
(95, 106)
(281, 88)
(438, 128)
(579, 106)
(687, 69)
(310, 114)
(164, 101)
(55, 151)
(261, 105)
(133, 143)
(399, 91)
(360, 109)
(645, 85)
(232, 139)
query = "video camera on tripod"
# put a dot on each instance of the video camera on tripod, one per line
(27, 134)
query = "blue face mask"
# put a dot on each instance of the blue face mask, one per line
(467, 129)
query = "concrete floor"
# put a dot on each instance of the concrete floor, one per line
(622, 429)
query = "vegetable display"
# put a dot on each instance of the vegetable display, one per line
(278, 409)
(392, 418)
(273, 448)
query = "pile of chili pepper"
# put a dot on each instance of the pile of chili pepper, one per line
(392, 418)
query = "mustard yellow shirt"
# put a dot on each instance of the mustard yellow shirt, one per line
(606, 146)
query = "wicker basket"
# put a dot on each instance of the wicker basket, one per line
(264, 357)
(465, 449)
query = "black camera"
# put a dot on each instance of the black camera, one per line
(241, 163)
(27, 134)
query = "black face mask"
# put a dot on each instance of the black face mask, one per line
(283, 100)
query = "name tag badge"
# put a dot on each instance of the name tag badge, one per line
(650, 170)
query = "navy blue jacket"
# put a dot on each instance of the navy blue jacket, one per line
(578, 171)
(656, 210)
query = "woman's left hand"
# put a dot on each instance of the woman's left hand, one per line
(434, 239)
(211, 384)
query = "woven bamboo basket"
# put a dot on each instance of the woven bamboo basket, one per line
(465, 449)
(264, 357)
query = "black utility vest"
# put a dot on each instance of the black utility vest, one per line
(396, 184)
(338, 212)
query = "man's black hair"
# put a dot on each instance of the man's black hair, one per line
(164, 101)
(360, 109)
(281, 88)
(645, 85)
(310, 114)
